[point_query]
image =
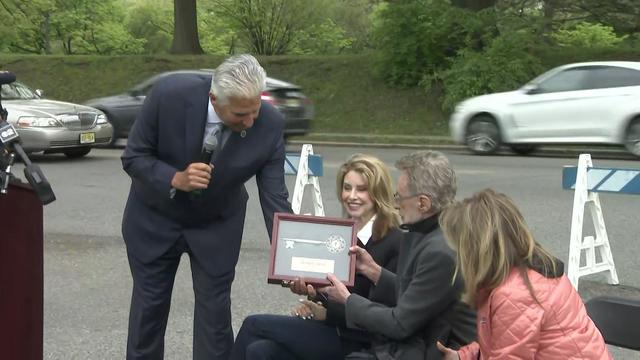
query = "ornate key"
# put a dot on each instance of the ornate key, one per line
(334, 243)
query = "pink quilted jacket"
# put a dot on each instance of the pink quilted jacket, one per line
(511, 325)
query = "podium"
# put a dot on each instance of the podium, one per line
(21, 274)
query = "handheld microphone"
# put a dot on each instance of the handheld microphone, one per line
(209, 149)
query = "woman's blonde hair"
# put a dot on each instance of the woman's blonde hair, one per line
(490, 236)
(379, 187)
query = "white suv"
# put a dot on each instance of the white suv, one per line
(584, 103)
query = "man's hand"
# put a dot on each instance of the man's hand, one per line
(365, 264)
(195, 176)
(337, 292)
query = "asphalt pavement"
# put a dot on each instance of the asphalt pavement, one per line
(88, 284)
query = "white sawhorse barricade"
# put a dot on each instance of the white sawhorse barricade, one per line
(588, 181)
(307, 167)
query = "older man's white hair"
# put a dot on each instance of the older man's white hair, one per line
(239, 76)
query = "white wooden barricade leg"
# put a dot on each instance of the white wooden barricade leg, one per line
(600, 244)
(303, 178)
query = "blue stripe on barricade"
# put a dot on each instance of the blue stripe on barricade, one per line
(625, 181)
(292, 160)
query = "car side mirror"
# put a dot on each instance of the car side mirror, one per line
(531, 89)
(39, 93)
(135, 92)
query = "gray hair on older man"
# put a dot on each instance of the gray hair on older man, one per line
(239, 76)
(430, 172)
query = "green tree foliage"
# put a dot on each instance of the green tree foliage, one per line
(269, 27)
(94, 27)
(505, 64)
(218, 32)
(325, 38)
(67, 26)
(26, 26)
(151, 21)
(354, 17)
(417, 37)
(622, 15)
(584, 34)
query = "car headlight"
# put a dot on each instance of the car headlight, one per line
(102, 119)
(34, 121)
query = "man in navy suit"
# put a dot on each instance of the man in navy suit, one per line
(178, 204)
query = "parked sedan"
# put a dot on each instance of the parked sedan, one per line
(54, 126)
(584, 103)
(123, 109)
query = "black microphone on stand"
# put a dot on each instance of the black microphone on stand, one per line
(208, 150)
(10, 146)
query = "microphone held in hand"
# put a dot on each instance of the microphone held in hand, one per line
(208, 150)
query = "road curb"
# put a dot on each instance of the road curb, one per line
(604, 153)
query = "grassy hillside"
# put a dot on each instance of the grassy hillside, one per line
(347, 97)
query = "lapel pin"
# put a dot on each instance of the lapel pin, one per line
(243, 133)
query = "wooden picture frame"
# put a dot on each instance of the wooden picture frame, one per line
(310, 247)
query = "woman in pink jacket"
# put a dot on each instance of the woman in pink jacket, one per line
(527, 308)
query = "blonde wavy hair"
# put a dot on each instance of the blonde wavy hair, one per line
(379, 187)
(490, 236)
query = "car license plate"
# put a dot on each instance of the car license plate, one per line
(293, 102)
(87, 138)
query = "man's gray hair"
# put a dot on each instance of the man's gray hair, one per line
(239, 76)
(430, 173)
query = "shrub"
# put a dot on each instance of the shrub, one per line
(588, 35)
(417, 37)
(506, 64)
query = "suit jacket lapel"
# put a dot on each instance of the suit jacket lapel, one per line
(195, 121)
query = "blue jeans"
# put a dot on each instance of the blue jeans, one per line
(286, 338)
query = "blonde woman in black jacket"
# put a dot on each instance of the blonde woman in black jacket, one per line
(319, 331)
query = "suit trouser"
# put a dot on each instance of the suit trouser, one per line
(263, 337)
(151, 300)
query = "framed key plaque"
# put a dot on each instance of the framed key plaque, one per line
(311, 247)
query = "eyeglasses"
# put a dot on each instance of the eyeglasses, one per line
(397, 198)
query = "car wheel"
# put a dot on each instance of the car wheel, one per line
(632, 137)
(483, 135)
(523, 149)
(77, 152)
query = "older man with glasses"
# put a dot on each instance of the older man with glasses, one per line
(428, 306)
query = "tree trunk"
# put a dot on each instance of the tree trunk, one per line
(549, 12)
(185, 28)
(46, 33)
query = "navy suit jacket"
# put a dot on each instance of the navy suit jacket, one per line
(166, 138)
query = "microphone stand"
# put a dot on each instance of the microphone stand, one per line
(6, 177)
(32, 172)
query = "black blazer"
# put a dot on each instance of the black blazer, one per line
(166, 137)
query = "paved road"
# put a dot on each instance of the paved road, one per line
(87, 280)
